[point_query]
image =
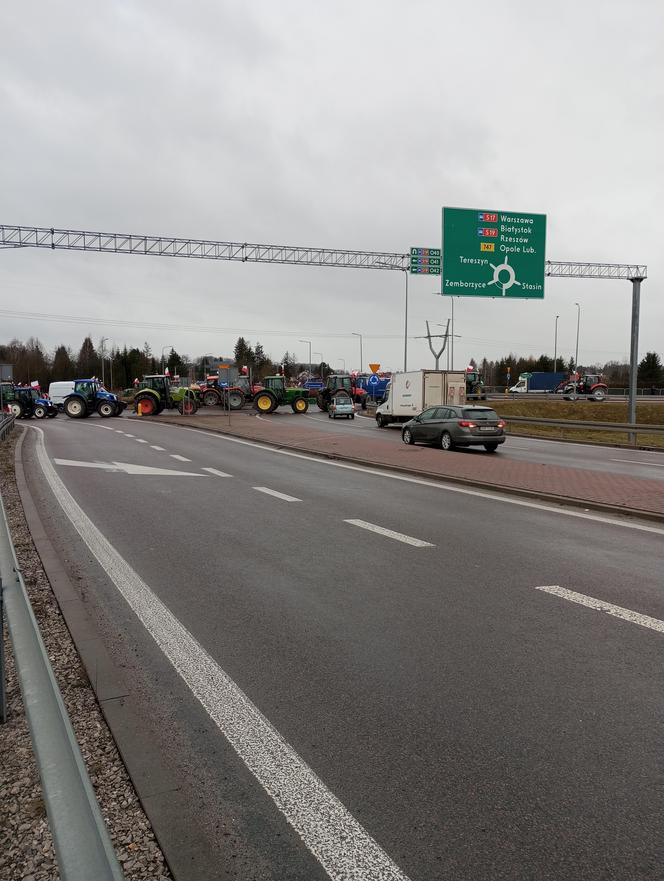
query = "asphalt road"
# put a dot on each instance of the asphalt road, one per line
(635, 463)
(393, 634)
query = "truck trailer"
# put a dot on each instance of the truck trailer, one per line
(410, 393)
(538, 382)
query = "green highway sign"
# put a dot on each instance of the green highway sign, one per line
(425, 261)
(493, 253)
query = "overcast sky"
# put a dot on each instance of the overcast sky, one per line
(329, 124)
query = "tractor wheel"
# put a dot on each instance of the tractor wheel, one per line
(75, 408)
(53, 414)
(599, 394)
(211, 398)
(236, 400)
(17, 409)
(265, 402)
(148, 405)
(187, 407)
(40, 412)
(363, 402)
(300, 405)
(322, 403)
(106, 409)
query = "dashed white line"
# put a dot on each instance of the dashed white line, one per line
(179, 457)
(129, 435)
(601, 606)
(154, 447)
(139, 440)
(390, 533)
(119, 431)
(106, 427)
(217, 473)
(342, 846)
(277, 495)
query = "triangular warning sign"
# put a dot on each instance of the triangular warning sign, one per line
(374, 368)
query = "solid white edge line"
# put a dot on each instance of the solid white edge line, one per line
(602, 606)
(277, 495)
(390, 533)
(342, 846)
(445, 487)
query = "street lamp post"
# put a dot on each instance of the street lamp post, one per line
(578, 322)
(344, 362)
(361, 356)
(104, 339)
(309, 344)
(555, 346)
(163, 349)
(320, 355)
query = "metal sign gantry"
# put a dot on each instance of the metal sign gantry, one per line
(12, 236)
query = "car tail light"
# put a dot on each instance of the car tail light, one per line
(502, 423)
(464, 423)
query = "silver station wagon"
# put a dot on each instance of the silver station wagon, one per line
(450, 427)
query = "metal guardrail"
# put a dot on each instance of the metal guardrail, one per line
(82, 844)
(629, 428)
(6, 424)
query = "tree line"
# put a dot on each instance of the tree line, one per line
(120, 366)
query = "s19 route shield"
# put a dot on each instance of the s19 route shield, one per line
(493, 253)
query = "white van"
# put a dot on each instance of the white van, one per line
(58, 391)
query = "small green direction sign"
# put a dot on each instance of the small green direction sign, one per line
(425, 261)
(493, 253)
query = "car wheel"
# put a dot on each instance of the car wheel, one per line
(446, 441)
(491, 448)
(352, 416)
(407, 436)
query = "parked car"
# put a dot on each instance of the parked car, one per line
(450, 427)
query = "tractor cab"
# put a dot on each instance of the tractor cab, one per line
(275, 384)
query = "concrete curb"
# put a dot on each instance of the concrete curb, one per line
(151, 777)
(531, 495)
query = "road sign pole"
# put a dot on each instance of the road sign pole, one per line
(405, 330)
(634, 353)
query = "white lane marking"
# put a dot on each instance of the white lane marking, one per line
(179, 457)
(482, 494)
(105, 427)
(342, 846)
(218, 473)
(637, 462)
(390, 533)
(127, 468)
(129, 435)
(139, 440)
(277, 495)
(154, 447)
(118, 431)
(74, 464)
(601, 606)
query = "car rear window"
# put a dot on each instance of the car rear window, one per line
(481, 415)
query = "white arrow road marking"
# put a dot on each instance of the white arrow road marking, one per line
(277, 495)
(128, 468)
(218, 473)
(389, 533)
(601, 606)
(179, 458)
(341, 845)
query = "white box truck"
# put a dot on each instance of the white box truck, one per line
(410, 393)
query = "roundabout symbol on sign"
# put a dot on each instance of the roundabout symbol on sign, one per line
(504, 267)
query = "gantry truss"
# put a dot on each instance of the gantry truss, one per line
(204, 249)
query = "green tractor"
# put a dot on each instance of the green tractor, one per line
(155, 393)
(275, 394)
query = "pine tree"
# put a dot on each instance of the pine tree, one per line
(87, 363)
(63, 365)
(651, 372)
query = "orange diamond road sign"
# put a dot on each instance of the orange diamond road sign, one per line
(374, 368)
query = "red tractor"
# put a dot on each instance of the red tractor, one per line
(589, 386)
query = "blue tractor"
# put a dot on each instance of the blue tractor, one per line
(25, 402)
(89, 396)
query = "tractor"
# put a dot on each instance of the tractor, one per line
(341, 382)
(26, 402)
(89, 396)
(155, 393)
(213, 394)
(589, 386)
(275, 394)
(474, 385)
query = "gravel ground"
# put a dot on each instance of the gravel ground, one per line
(26, 850)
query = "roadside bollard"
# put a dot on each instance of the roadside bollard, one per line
(139, 408)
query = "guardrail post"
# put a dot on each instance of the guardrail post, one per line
(3, 693)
